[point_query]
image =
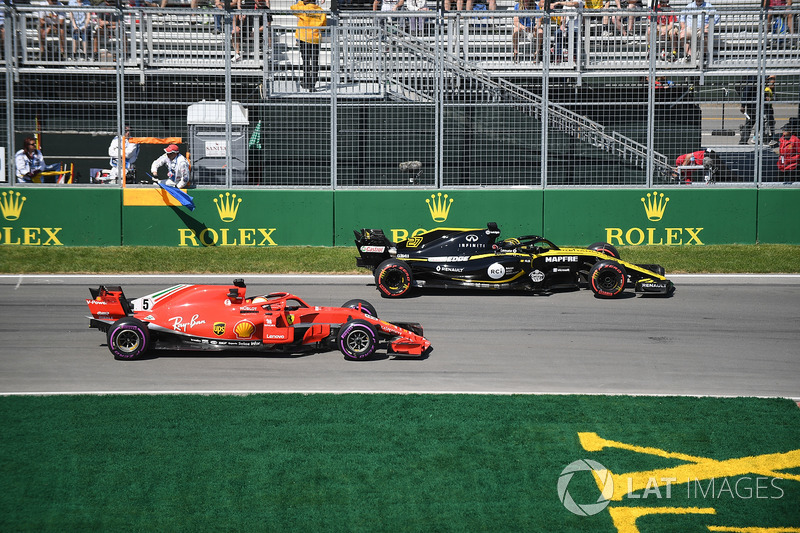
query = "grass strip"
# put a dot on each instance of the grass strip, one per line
(764, 258)
(292, 462)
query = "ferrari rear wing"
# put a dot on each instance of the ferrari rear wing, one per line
(108, 303)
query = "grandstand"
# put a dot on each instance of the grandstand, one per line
(449, 94)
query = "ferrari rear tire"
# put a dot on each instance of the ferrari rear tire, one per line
(357, 340)
(393, 278)
(128, 339)
(365, 306)
(607, 279)
(605, 248)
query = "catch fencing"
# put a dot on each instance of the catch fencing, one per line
(425, 99)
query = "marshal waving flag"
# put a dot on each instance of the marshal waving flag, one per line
(179, 195)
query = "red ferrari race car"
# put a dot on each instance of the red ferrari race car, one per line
(223, 317)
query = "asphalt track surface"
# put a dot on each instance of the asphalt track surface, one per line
(717, 335)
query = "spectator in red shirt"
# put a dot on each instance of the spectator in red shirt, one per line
(700, 158)
(789, 154)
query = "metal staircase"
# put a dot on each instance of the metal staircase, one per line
(402, 50)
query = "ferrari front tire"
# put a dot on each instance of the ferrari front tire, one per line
(366, 307)
(128, 339)
(607, 279)
(393, 278)
(357, 340)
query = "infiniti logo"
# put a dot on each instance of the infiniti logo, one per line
(471, 238)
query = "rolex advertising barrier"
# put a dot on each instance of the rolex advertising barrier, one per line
(33, 216)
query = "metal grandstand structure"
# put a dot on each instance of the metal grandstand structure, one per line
(600, 109)
(459, 73)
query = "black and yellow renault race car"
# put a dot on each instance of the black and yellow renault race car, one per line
(476, 258)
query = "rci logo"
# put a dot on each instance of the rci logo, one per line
(655, 204)
(439, 207)
(227, 206)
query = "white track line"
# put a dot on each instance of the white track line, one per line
(448, 393)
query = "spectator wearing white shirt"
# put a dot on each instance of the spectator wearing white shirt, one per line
(698, 25)
(114, 152)
(177, 167)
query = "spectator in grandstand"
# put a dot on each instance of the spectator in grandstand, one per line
(30, 163)
(79, 29)
(52, 23)
(192, 4)
(491, 4)
(605, 21)
(667, 31)
(115, 151)
(563, 26)
(789, 154)
(309, 21)
(416, 25)
(104, 29)
(779, 22)
(219, 5)
(459, 5)
(528, 28)
(697, 26)
(2, 33)
(243, 26)
(178, 172)
(626, 27)
(388, 5)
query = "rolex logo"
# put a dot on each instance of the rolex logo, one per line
(11, 205)
(654, 205)
(227, 206)
(439, 206)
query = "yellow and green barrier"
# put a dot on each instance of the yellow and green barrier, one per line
(262, 218)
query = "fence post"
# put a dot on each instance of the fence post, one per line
(10, 34)
(335, 40)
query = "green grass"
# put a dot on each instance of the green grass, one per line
(764, 258)
(373, 463)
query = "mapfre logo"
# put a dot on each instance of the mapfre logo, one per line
(439, 205)
(11, 204)
(228, 209)
(655, 206)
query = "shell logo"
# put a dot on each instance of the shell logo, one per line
(244, 329)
